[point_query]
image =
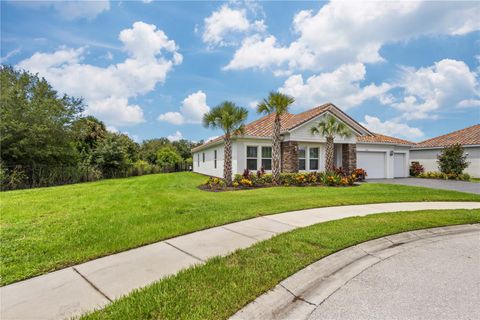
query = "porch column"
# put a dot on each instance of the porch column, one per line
(349, 157)
(289, 162)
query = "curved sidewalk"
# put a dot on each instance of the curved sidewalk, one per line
(406, 275)
(91, 285)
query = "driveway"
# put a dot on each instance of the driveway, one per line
(461, 186)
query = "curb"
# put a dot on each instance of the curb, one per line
(300, 294)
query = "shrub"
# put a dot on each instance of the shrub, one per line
(340, 171)
(246, 182)
(141, 167)
(452, 160)
(215, 183)
(360, 174)
(444, 176)
(416, 169)
(168, 157)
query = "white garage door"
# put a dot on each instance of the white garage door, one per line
(399, 166)
(373, 163)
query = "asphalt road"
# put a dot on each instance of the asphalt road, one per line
(439, 280)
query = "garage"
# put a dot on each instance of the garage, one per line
(373, 163)
(399, 165)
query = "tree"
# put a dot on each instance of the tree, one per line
(150, 148)
(452, 160)
(184, 148)
(115, 152)
(35, 122)
(278, 104)
(230, 118)
(88, 133)
(329, 127)
(168, 157)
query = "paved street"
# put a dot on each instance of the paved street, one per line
(439, 280)
(462, 186)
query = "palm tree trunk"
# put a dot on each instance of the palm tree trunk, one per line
(227, 160)
(329, 153)
(276, 152)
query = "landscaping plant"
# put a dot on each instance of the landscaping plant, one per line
(277, 103)
(329, 127)
(230, 118)
(416, 169)
(452, 160)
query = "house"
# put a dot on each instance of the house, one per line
(381, 156)
(426, 152)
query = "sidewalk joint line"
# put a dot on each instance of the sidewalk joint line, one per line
(239, 233)
(186, 252)
(91, 284)
(287, 224)
(297, 297)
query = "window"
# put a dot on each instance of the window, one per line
(267, 158)
(198, 159)
(302, 158)
(215, 159)
(252, 155)
(203, 157)
(313, 161)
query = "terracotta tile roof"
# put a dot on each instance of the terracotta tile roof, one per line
(467, 136)
(380, 138)
(263, 127)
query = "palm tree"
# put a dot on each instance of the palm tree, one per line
(328, 127)
(277, 103)
(230, 118)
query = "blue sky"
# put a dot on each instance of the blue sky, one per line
(151, 69)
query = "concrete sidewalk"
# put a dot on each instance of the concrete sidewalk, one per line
(92, 285)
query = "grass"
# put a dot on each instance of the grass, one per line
(477, 180)
(222, 286)
(50, 228)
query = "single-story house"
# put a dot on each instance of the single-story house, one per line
(426, 152)
(381, 156)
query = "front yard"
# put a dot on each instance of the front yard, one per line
(51, 228)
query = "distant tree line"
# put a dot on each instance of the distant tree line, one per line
(45, 139)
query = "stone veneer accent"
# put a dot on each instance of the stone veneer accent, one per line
(349, 157)
(289, 156)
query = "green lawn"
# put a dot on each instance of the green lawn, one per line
(477, 180)
(50, 228)
(222, 286)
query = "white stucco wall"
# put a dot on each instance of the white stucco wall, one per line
(428, 158)
(389, 159)
(208, 167)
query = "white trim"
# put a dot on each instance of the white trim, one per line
(307, 157)
(388, 144)
(438, 148)
(259, 154)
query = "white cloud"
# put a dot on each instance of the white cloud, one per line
(443, 86)
(192, 110)
(172, 117)
(175, 137)
(341, 87)
(392, 128)
(72, 9)
(9, 55)
(345, 32)
(151, 56)
(253, 104)
(222, 25)
(469, 103)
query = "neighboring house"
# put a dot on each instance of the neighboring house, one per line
(381, 156)
(426, 152)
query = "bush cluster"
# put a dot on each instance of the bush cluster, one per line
(416, 169)
(260, 179)
(444, 176)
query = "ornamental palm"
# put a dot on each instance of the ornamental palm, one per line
(230, 118)
(329, 127)
(277, 103)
